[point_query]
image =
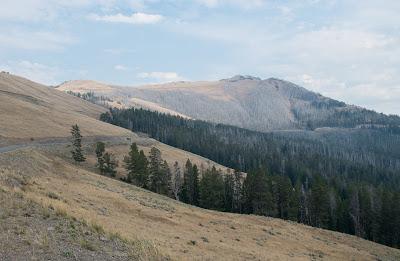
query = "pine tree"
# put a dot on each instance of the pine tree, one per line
(195, 185)
(131, 164)
(190, 188)
(166, 187)
(283, 191)
(319, 203)
(177, 180)
(355, 213)
(304, 206)
(142, 172)
(100, 149)
(237, 192)
(136, 165)
(185, 195)
(157, 174)
(212, 190)
(294, 204)
(77, 153)
(257, 194)
(387, 218)
(229, 191)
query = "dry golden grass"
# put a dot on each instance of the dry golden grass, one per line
(29, 231)
(82, 86)
(152, 222)
(212, 89)
(177, 230)
(136, 102)
(30, 110)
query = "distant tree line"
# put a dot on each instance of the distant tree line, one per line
(298, 179)
(362, 118)
(91, 97)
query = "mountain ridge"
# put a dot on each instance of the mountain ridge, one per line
(243, 101)
(47, 175)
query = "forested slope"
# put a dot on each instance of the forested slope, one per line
(344, 180)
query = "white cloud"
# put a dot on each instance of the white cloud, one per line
(135, 18)
(247, 4)
(33, 71)
(36, 10)
(160, 76)
(34, 40)
(347, 49)
(348, 56)
(120, 67)
(378, 91)
(119, 51)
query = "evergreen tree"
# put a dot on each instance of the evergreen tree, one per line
(396, 219)
(190, 188)
(167, 185)
(211, 190)
(131, 162)
(237, 192)
(304, 204)
(159, 173)
(77, 153)
(141, 169)
(195, 185)
(229, 191)
(177, 180)
(186, 195)
(283, 193)
(355, 214)
(257, 194)
(136, 165)
(319, 203)
(294, 204)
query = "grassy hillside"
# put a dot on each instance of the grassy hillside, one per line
(32, 231)
(30, 110)
(177, 230)
(53, 208)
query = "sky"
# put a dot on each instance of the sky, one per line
(344, 49)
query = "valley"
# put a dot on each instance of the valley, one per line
(39, 180)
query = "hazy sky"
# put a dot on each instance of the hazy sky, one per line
(345, 49)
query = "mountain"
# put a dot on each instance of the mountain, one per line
(31, 110)
(35, 114)
(54, 208)
(243, 101)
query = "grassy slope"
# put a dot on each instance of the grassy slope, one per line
(47, 177)
(180, 231)
(30, 110)
(31, 231)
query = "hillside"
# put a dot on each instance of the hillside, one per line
(153, 223)
(242, 101)
(135, 222)
(33, 114)
(30, 110)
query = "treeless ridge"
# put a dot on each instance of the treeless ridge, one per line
(30, 110)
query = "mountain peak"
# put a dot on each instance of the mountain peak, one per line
(237, 78)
